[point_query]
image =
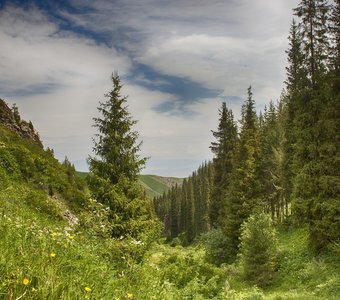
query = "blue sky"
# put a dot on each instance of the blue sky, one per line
(178, 61)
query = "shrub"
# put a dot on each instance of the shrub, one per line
(216, 245)
(258, 249)
(39, 201)
(8, 162)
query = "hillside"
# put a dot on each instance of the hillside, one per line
(155, 185)
(56, 244)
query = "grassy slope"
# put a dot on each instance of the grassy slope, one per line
(156, 185)
(61, 260)
(82, 174)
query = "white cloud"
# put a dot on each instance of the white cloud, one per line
(226, 45)
(58, 77)
(34, 52)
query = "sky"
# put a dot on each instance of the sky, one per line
(178, 61)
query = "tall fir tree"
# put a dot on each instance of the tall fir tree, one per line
(335, 38)
(296, 71)
(115, 147)
(116, 164)
(244, 193)
(296, 84)
(271, 169)
(315, 124)
(313, 15)
(223, 149)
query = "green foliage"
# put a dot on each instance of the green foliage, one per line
(216, 245)
(114, 169)
(41, 202)
(224, 151)
(258, 249)
(244, 193)
(300, 270)
(58, 244)
(311, 149)
(185, 208)
(8, 162)
(273, 181)
(130, 213)
(24, 161)
(187, 271)
(315, 43)
(115, 147)
(316, 184)
(87, 257)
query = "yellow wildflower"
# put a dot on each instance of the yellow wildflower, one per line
(52, 254)
(71, 237)
(117, 298)
(129, 295)
(26, 281)
(87, 289)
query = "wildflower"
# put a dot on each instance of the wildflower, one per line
(129, 295)
(71, 237)
(26, 281)
(52, 254)
(135, 242)
(117, 298)
(87, 289)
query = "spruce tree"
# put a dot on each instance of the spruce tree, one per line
(244, 193)
(313, 15)
(335, 38)
(115, 147)
(190, 212)
(116, 164)
(271, 160)
(316, 118)
(296, 71)
(223, 149)
(296, 84)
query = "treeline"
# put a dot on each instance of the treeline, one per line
(184, 209)
(285, 160)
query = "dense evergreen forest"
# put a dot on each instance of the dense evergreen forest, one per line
(283, 161)
(260, 221)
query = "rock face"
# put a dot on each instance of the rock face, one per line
(10, 118)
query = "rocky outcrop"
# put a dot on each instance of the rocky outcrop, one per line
(10, 118)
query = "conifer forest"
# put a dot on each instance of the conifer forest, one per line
(261, 220)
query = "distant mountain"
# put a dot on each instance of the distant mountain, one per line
(156, 185)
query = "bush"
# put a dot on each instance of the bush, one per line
(216, 245)
(8, 162)
(258, 249)
(39, 201)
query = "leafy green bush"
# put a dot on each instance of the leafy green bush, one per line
(258, 249)
(190, 273)
(39, 201)
(216, 245)
(8, 162)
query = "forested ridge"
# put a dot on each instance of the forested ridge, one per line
(260, 221)
(283, 161)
